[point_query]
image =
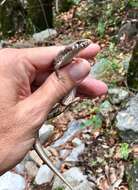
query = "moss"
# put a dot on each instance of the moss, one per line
(132, 175)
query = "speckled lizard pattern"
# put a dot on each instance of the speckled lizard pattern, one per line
(63, 58)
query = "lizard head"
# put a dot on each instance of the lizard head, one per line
(81, 44)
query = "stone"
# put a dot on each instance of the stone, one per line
(45, 132)
(73, 128)
(99, 70)
(12, 181)
(31, 168)
(20, 168)
(74, 176)
(64, 153)
(86, 136)
(117, 95)
(104, 70)
(76, 142)
(44, 35)
(105, 107)
(3, 44)
(126, 61)
(44, 175)
(84, 185)
(33, 156)
(75, 153)
(127, 121)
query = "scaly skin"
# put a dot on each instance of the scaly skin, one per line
(62, 59)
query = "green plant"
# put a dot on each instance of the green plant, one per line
(112, 47)
(101, 28)
(98, 161)
(59, 188)
(133, 3)
(124, 151)
(76, 2)
(114, 66)
(95, 122)
(65, 5)
(93, 162)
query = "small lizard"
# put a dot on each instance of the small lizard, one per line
(63, 58)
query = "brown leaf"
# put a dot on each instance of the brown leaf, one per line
(102, 183)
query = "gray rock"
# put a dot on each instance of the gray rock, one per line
(99, 70)
(104, 70)
(84, 185)
(44, 175)
(31, 168)
(117, 95)
(127, 120)
(86, 136)
(105, 107)
(44, 35)
(20, 168)
(75, 153)
(64, 153)
(45, 132)
(76, 142)
(74, 176)
(3, 44)
(12, 181)
(33, 156)
(73, 128)
(126, 61)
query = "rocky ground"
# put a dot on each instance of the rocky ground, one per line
(85, 143)
(94, 143)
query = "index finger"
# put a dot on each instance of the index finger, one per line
(42, 57)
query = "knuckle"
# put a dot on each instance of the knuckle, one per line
(62, 85)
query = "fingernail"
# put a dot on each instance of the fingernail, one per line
(79, 69)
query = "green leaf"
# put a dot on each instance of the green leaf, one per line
(95, 122)
(111, 47)
(93, 162)
(59, 188)
(133, 4)
(86, 123)
(124, 151)
(76, 2)
(101, 27)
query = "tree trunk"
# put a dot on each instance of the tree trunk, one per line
(40, 13)
(132, 75)
(12, 17)
(16, 18)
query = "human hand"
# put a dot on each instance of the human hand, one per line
(29, 89)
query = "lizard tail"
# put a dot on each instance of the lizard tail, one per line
(40, 151)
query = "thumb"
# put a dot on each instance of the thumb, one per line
(39, 104)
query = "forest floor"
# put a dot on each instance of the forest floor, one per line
(106, 156)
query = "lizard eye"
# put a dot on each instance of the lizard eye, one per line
(76, 46)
